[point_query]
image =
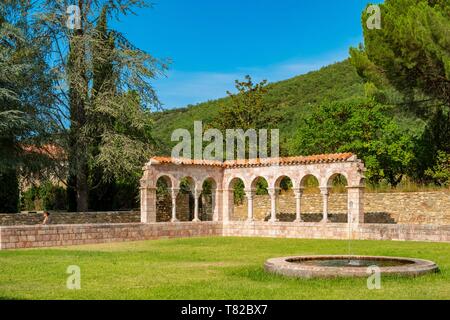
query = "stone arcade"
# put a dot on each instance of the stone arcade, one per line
(224, 175)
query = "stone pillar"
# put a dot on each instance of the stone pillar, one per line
(148, 203)
(298, 192)
(217, 205)
(174, 195)
(197, 194)
(325, 191)
(355, 205)
(273, 192)
(250, 195)
(228, 203)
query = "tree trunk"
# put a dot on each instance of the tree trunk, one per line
(78, 94)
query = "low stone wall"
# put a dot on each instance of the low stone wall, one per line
(338, 231)
(19, 237)
(19, 219)
(66, 235)
(391, 208)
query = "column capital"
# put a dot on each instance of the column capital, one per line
(146, 184)
(325, 191)
(273, 191)
(298, 192)
(175, 191)
(250, 193)
(198, 192)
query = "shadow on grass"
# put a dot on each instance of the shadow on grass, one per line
(2, 298)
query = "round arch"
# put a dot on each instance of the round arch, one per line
(164, 205)
(331, 178)
(308, 178)
(207, 201)
(259, 179)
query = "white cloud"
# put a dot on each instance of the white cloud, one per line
(181, 88)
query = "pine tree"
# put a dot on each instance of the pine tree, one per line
(24, 102)
(105, 92)
(101, 192)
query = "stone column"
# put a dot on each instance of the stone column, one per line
(273, 204)
(148, 203)
(197, 194)
(250, 195)
(355, 205)
(298, 192)
(228, 203)
(174, 195)
(325, 191)
(217, 205)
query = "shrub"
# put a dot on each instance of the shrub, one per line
(46, 196)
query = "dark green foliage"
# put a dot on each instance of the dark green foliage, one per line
(262, 187)
(412, 49)
(101, 191)
(286, 103)
(9, 195)
(435, 138)
(246, 109)
(126, 195)
(24, 101)
(364, 128)
(46, 196)
(102, 82)
(441, 171)
(411, 53)
(239, 192)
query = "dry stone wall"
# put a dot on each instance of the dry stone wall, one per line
(19, 219)
(19, 237)
(391, 208)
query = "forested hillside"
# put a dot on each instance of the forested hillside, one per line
(289, 100)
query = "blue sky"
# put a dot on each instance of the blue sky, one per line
(211, 43)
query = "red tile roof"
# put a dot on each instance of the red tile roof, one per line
(323, 158)
(51, 150)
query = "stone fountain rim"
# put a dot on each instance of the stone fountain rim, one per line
(282, 266)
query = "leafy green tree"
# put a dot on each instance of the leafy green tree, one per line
(441, 171)
(101, 192)
(105, 93)
(364, 128)
(410, 55)
(24, 101)
(246, 109)
(412, 49)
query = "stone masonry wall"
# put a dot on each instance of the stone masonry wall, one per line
(338, 231)
(19, 237)
(400, 208)
(71, 218)
(164, 214)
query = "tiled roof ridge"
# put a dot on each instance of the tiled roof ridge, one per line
(313, 159)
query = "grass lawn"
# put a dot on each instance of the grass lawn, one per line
(209, 268)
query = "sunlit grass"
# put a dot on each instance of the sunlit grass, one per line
(209, 268)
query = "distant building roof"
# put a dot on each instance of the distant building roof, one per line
(51, 150)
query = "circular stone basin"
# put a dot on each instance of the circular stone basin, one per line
(347, 266)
